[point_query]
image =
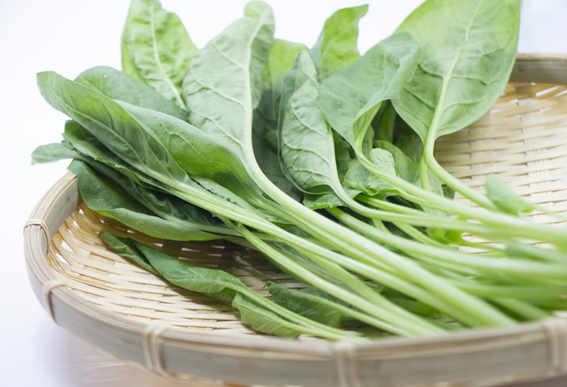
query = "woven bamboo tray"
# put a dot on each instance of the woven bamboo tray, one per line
(137, 317)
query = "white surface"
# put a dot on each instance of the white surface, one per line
(70, 36)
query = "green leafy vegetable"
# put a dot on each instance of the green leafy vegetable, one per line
(243, 139)
(336, 48)
(156, 48)
(469, 50)
(117, 85)
(505, 199)
(307, 304)
(467, 45)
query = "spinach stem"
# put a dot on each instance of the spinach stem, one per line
(402, 322)
(520, 227)
(418, 250)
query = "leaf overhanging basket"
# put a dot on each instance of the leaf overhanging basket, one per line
(140, 318)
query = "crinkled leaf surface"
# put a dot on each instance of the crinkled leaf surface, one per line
(307, 148)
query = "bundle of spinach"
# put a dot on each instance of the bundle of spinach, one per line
(320, 159)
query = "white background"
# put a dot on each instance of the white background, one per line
(69, 36)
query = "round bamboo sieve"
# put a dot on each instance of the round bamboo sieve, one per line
(139, 318)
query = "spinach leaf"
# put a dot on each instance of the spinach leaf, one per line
(407, 140)
(195, 151)
(125, 248)
(118, 85)
(359, 178)
(166, 206)
(306, 142)
(336, 48)
(156, 48)
(259, 313)
(224, 83)
(109, 123)
(109, 199)
(266, 116)
(350, 99)
(213, 283)
(311, 304)
(89, 147)
(307, 150)
(469, 48)
(505, 199)
(262, 319)
(52, 152)
(385, 123)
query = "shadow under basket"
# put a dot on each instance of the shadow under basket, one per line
(141, 319)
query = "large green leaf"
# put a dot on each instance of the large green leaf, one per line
(307, 148)
(306, 142)
(224, 83)
(156, 48)
(90, 147)
(109, 123)
(350, 99)
(469, 50)
(336, 49)
(118, 85)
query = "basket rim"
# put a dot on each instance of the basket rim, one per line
(41, 273)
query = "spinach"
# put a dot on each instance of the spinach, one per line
(156, 48)
(307, 304)
(505, 199)
(336, 47)
(260, 313)
(350, 99)
(245, 138)
(469, 49)
(120, 86)
(109, 199)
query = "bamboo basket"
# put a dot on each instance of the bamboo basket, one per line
(141, 319)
